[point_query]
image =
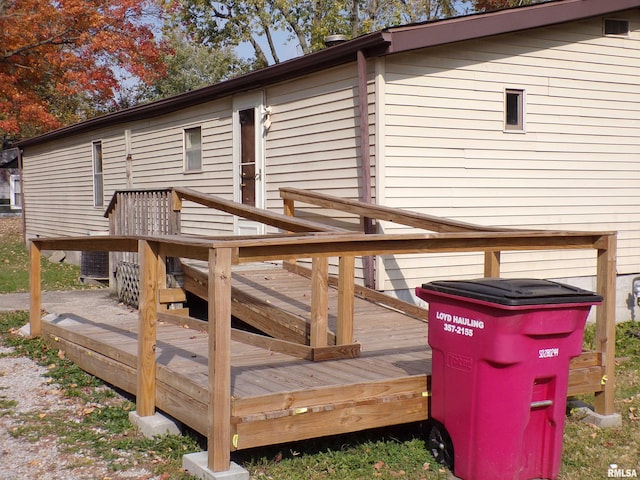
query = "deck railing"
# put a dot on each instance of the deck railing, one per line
(223, 252)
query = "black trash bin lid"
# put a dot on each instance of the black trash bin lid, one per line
(514, 292)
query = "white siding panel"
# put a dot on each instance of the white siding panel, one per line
(576, 165)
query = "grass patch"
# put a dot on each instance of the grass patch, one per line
(14, 264)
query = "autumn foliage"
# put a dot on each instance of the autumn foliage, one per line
(56, 59)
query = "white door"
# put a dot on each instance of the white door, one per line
(248, 158)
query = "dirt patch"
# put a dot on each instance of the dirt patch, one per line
(10, 226)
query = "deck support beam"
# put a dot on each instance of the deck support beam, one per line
(150, 269)
(35, 286)
(319, 302)
(346, 294)
(605, 323)
(219, 436)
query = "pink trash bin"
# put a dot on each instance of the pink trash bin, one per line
(501, 351)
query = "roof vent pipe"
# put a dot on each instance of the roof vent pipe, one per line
(331, 40)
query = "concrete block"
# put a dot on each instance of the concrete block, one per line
(586, 415)
(25, 330)
(196, 465)
(154, 425)
(57, 257)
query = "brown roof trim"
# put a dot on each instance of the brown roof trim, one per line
(475, 26)
(297, 67)
(392, 40)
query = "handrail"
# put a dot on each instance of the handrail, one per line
(379, 212)
(267, 217)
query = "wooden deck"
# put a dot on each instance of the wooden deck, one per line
(277, 398)
(334, 357)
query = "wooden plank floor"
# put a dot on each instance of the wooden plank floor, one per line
(275, 397)
(268, 386)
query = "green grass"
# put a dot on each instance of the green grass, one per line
(14, 265)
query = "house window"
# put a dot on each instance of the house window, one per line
(15, 192)
(192, 149)
(616, 27)
(514, 110)
(98, 187)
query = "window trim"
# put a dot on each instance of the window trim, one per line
(518, 127)
(97, 175)
(185, 150)
(15, 197)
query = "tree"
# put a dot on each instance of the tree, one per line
(489, 5)
(189, 65)
(308, 22)
(57, 59)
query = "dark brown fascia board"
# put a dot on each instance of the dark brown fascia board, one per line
(476, 26)
(373, 44)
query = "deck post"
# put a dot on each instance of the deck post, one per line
(491, 264)
(219, 291)
(147, 325)
(346, 287)
(35, 287)
(319, 302)
(606, 324)
(289, 211)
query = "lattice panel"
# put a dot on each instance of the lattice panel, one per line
(128, 283)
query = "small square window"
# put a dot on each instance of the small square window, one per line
(192, 149)
(616, 27)
(514, 110)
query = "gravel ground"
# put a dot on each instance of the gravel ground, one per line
(22, 381)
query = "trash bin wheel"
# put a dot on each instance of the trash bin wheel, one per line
(440, 445)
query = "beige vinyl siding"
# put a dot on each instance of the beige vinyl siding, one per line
(575, 167)
(314, 142)
(157, 150)
(58, 186)
(59, 177)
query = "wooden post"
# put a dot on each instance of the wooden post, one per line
(147, 325)
(319, 302)
(219, 291)
(289, 211)
(491, 264)
(346, 287)
(289, 207)
(606, 323)
(35, 287)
